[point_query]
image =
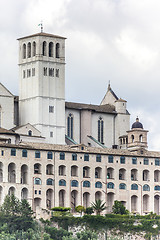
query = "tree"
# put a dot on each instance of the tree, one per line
(11, 206)
(79, 209)
(119, 208)
(98, 206)
(89, 210)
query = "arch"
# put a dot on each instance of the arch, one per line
(62, 170)
(98, 185)
(98, 195)
(145, 175)
(37, 168)
(12, 173)
(110, 185)
(110, 173)
(146, 203)
(134, 187)
(98, 172)
(57, 50)
(11, 191)
(49, 198)
(146, 187)
(24, 174)
(37, 181)
(24, 193)
(122, 174)
(141, 138)
(1, 172)
(156, 204)
(34, 49)
(1, 194)
(44, 48)
(86, 199)
(62, 194)
(134, 174)
(86, 172)
(74, 171)
(100, 130)
(49, 169)
(86, 184)
(49, 181)
(134, 203)
(62, 182)
(122, 186)
(74, 183)
(132, 138)
(157, 176)
(50, 49)
(29, 50)
(24, 51)
(157, 188)
(74, 200)
(37, 204)
(110, 201)
(70, 125)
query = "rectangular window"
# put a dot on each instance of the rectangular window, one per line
(134, 160)
(145, 161)
(62, 156)
(98, 158)
(24, 153)
(39, 191)
(37, 154)
(74, 157)
(51, 109)
(157, 162)
(13, 152)
(110, 159)
(122, 160)
(86, 157)
(45, 71)
(2, 153)
(24, 73)
(28, 73)
(33, 72)
(57, 72)
(51, 72)
(51, 134)
(35, 191)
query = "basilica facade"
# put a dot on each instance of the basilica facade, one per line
(58, 153)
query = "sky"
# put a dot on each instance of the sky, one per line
(107, 40)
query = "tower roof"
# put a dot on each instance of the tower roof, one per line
(42, 34)
(137, 124)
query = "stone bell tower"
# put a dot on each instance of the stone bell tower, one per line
(137, 136)
(42, 84)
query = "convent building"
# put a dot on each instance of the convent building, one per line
(58, 153)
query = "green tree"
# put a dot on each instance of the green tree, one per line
(11, 206)
(89, 210)
(98, 206)
(119, 208)
(79, 209)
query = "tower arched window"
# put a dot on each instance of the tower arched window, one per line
(132, 138)
(140, 138)
(29, 50)
(24, 51)
(34, 49)
(100, 130)
(51, 49)
(70, 126)
(44, 48)
(57, 50)
(0, 116)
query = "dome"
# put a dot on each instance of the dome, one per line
(137, 124)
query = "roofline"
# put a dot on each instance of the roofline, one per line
(42, 34)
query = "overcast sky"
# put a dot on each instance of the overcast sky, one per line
(116, 40)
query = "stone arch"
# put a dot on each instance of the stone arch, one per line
(110, 173)
(24, 193)
(24, 174)
(29, 50)
(12, 172)
(37, 204)
(74, 200)
(122, 174)
(74, 171)
(156, 204)
(1, 194)
(146, 203)
(98, 195)
(1, 172)
(49, 198)
(44, 48)
(110, 201)
(62, 170)
(24, 51)
(98, 172)
(50, 49)
(62, 195)
(134, 203)
(134, 174)
(157, 176)
(37, 168)
(145, 175)
(11, 191)
(86, 199)
(34, 49)
(86, 172)
(57, 50)
(49, 169)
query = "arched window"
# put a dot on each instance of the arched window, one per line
(141, 138)
(49, 181)
(49, 155)
(70, 126)
(157, 188)
(29, 50)
(34, 49)
(13, 152)
(74, 156)
(57, 50)
(146, 187)
(86, 184)
(98, 185)
(62, 182)
(134, 187)
(110, 185)
(122, 186)
(74, 183)
(29, 133)
(24, 153)
(24, 51)
(51, 49)
(44, 48)
(37, 181)
(132, 138)
(100, 130)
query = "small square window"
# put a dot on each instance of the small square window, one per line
(51, 109)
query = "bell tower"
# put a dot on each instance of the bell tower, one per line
(42, 84)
